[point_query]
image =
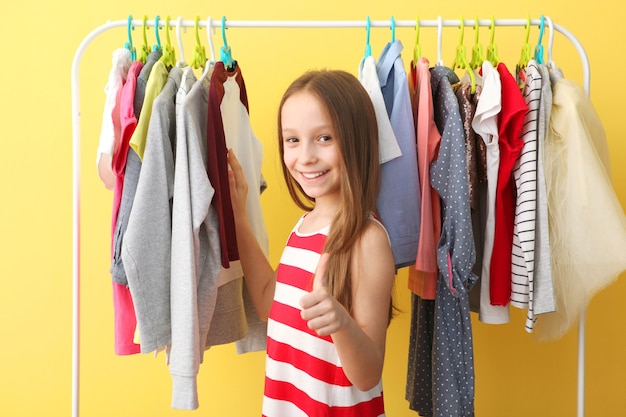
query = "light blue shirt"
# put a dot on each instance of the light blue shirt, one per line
(399, 200)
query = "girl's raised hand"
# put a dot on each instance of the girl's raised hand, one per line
(321, 310)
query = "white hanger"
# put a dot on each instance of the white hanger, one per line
(551, 63)
(211, 61)
(181, 61)
(439, 39)
(209, 33)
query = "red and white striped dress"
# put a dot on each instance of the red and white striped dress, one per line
(303, 374)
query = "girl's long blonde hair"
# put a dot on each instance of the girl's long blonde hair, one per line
(352, 115)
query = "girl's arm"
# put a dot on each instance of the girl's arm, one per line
(258, 273)
(360, 337)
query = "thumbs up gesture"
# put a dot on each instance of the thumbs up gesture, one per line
(321, 310)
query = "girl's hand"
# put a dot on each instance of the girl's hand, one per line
(322, 311)
(238, 186)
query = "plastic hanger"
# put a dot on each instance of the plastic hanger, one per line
(477, 49)
(368, 47)
(181, 62)
(129, 44)
(492, 49)
(520, 68)
(145, 49)
(169, 55)
(393, 29)
(460, 59)
(551, 63)
(439, 40)
(525, 55)
(157, 47)
(539, 47)
(209, 30)
(225, 52)
(199, 54)
(417, 49)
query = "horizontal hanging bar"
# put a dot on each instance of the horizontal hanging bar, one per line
(217, 23)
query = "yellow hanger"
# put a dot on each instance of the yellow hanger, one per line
(199, 55)
(169, 55)
(460, 60)
(526, 52)
(145, 49)
(417, 50)
(477, 50)
(492, 49)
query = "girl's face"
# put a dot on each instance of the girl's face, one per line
(311, 152)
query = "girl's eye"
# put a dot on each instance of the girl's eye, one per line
(325, 138)
(291, 140)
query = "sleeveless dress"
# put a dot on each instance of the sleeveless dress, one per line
(303, 374)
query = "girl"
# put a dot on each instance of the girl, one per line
(328, 304)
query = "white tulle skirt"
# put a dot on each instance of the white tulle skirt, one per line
(587, 225)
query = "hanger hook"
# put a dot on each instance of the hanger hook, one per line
(439, 39)
(417, 30)
(368, 47)
(209, 33)
(527, 28)
(130, 27)
(475, 30)
(179, 22)
(224, 31)
(550, 41)
(144, 28)
(156, 31)
(492, 28)
(167, 30)
(462, 26)
(129, 44)
(417, 50)
(197, 27)
(393, 29)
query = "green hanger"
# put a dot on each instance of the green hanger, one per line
(417, 50)
(199, 55)
(169, 55)
(145, 49)
(492, 49)
(460, 59)
(477, 51)
(525, 55)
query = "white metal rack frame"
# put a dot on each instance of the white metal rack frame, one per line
(439, 23)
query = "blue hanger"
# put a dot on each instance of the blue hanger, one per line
(157, 47)
(539, 47)
(368, 47)
(129, 45)
(225, 52)
(393, 29)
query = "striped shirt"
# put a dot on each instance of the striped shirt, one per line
(303, 375)
(525, 175)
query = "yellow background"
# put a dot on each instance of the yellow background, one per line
(515, 376)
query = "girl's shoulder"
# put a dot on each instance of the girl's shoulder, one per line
(379, 229)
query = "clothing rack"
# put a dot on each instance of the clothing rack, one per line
(210, 24)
